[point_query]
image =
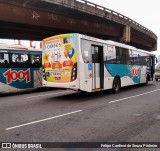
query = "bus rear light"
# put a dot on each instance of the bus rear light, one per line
(74, 72)
(44, 75)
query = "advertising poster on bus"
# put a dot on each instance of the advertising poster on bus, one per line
(59, 58)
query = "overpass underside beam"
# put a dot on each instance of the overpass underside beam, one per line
(28, 16)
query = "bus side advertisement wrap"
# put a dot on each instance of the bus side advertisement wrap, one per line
(60, 58)
(132, 72)
(20, 78)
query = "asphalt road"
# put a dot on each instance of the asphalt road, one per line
(133, 115)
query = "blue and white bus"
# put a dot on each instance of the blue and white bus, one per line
(20, 68)
(89, 64)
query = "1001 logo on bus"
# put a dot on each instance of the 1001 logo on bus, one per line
(135, 71)
(17, 75)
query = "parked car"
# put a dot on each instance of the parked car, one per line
(157, 74)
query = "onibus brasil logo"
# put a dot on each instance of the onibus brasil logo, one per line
(12, 75)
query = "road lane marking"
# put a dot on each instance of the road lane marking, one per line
(130, 97)
(35, 96)
(42, 120)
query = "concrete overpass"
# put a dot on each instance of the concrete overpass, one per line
(38, 19)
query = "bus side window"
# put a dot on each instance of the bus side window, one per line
(144, 63)
(25, 58)
(110, 55)
(20, 60)
(95, 58)
(86, 51)
(13, 59)
(131, 57)
(119, 55)
(1, 56)
(122, 55)
(36, 60)
(4, 60)
(126, 56)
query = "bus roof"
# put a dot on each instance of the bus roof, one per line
(110, 42)
(118, 44)
(127, 46)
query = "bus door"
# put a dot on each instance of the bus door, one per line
(150, 67)
(153, 66)
(98, 67)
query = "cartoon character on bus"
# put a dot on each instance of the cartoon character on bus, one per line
(56, 56)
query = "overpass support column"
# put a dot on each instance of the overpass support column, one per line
(126, 34)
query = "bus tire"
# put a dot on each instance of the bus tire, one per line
(116, 85)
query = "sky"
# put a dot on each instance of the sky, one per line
(144, 12)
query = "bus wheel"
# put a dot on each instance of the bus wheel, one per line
(116, 85)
